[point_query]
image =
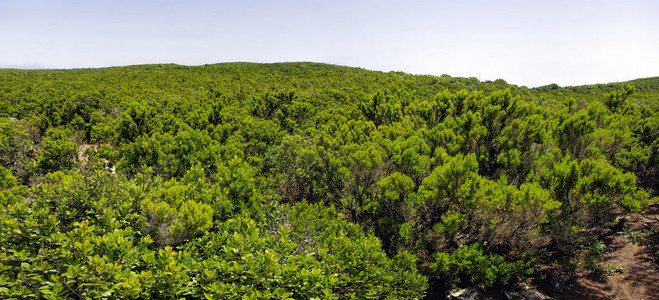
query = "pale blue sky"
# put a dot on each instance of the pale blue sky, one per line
(523, 42)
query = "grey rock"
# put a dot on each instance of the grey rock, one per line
(470, 293)
(559, 282)
(525, 295)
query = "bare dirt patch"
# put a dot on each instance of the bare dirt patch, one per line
(637, 275)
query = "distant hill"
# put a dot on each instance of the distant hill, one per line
(647, 91)
(306, 77)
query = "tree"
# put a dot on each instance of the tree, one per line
(10, 193)
(616, 98)
(58, 151)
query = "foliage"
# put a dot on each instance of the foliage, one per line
(648, 237)
(470, 264)
(593, 256)
(58, 151)
(303, 180)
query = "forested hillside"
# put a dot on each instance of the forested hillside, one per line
(308, 181)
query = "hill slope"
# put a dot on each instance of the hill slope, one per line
(306, 180)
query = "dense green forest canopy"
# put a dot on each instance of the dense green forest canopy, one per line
(306, 180)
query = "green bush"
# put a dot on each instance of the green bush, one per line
(469, 264)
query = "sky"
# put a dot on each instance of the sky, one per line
(530, 43)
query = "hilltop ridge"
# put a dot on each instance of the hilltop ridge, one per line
(316, 181)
